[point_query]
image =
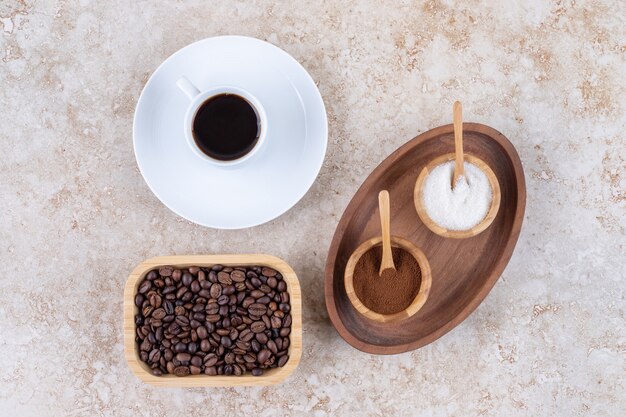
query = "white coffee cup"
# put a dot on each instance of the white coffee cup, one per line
(198, 98)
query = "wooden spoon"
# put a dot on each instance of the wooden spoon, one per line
(459, 170)
(383, 207)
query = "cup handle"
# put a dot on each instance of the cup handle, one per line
(190, 90)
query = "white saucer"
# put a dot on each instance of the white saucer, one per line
(261, 188)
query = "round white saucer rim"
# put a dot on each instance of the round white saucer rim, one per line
(314, 105)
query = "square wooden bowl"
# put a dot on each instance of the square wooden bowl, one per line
(270, 376)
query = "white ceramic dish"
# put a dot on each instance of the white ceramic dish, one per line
(263, 186)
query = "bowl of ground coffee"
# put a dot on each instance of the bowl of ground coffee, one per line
(212, 320)
(393, 295)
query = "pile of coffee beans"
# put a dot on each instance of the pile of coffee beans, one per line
(213, 320)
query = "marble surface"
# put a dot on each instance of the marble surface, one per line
(549, 340)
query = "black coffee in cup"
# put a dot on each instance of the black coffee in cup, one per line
(226, 127)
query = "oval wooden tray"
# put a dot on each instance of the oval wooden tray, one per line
(270, 377)
(463, 270)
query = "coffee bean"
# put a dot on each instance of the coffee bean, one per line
(257, 294)
(216, 290)
(226, 342)
(282, 286)
(181, 371)
(276, 322)
(183, 357)
(155, 300)
(195, 286)
(261, 337)
(263, 355)
(154, 355)
(169, 307)
(211, 370)
(246, 335)
(187, 278)
(272, 282)
(222, 332)
(264, 300)
(269, 272)
(247, 302)
(210, 359)
(168, 290)
(166, 271)
(237, 371)
(139, 298)
(224, 278)
(257, 327)
(257, 372)
(205, 346)
(173, 328)
(212, 308)
(182, 321)
(158, 314)
(202, 332)
(147, 310)
(234, 334)
(255, 345)
(237, 276)
(222, 300)
(283, 360)
(257, 309)
(245, 346)
(145, 287)
(271, 345)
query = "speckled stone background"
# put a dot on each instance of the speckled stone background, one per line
(76, 215)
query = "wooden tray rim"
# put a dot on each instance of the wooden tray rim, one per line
(271, 377)
(488, 284)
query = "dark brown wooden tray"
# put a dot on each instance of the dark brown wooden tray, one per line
(463, 270)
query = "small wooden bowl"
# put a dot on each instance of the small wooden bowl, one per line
(421, 296)
(270, 377)
(456, 234)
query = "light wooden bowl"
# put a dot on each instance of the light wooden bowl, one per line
(456, 234)
(418, 301)
(270, 377)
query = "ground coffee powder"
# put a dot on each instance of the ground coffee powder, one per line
(394, 290)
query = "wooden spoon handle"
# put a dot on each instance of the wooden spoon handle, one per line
(383, 207)
(459, 169)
